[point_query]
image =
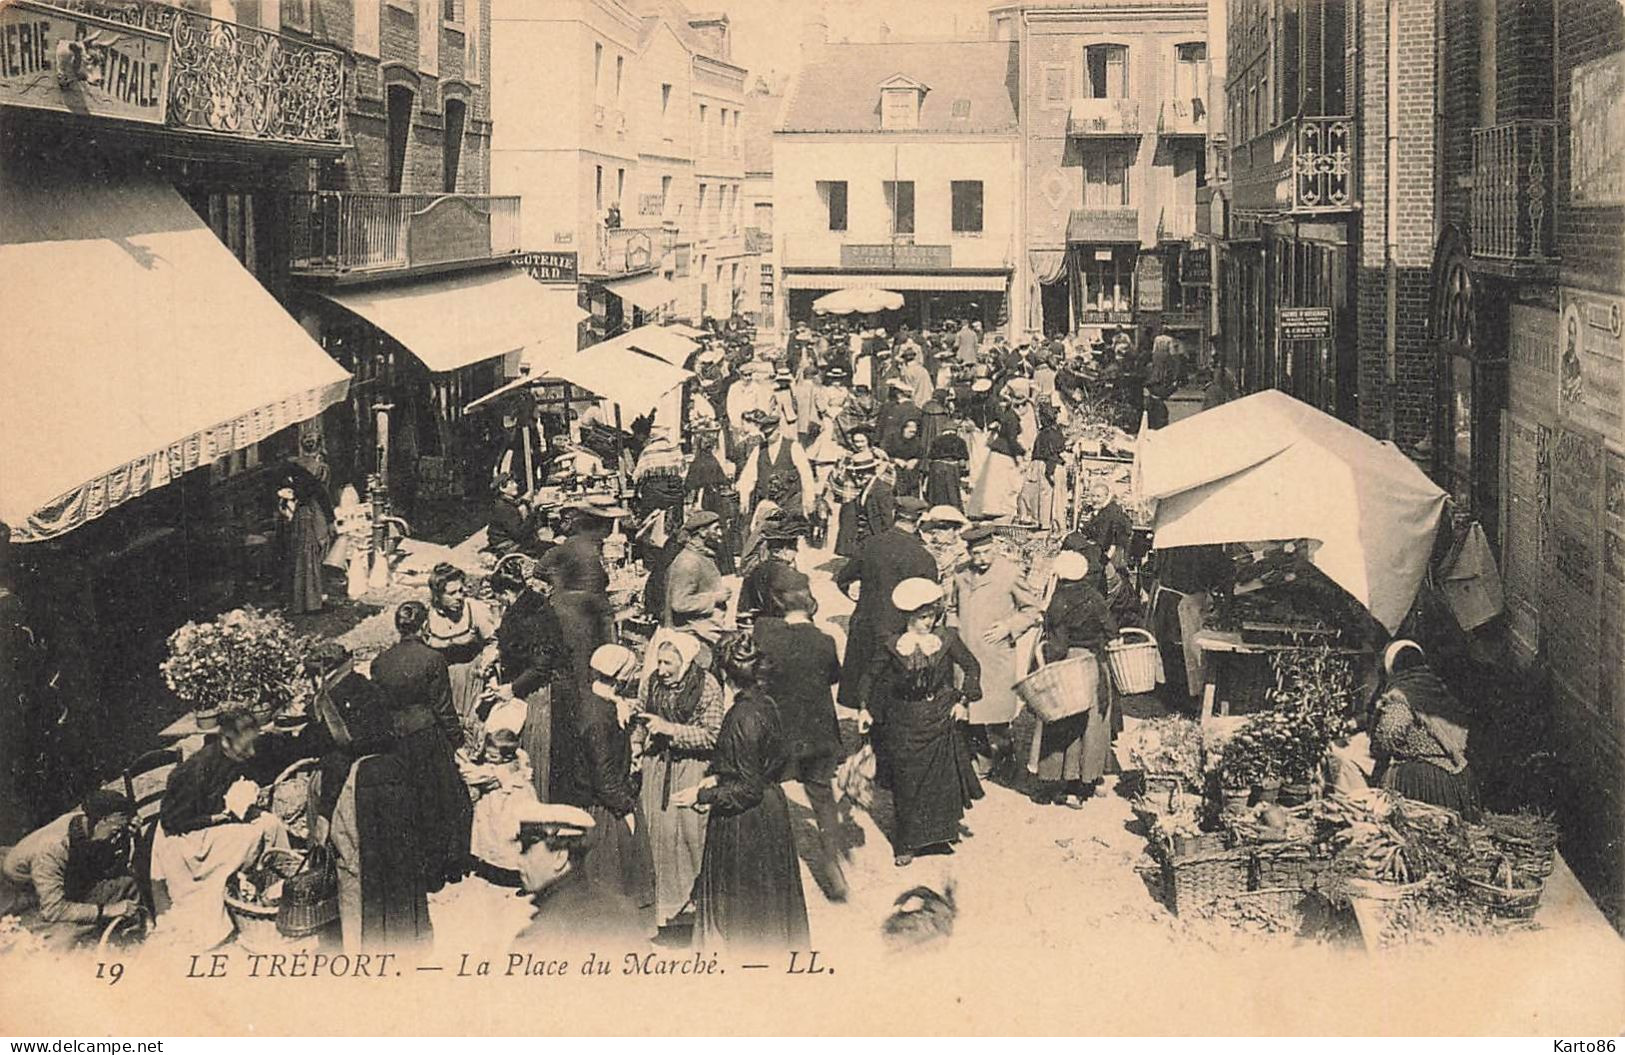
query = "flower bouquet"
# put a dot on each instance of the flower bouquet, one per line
(1168, 747)
(245, 655)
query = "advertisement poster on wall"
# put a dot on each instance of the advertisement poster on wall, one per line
(1591, 362)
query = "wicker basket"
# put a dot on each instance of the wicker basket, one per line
(1201, 879)
(1061, 689)
(1511, 902)
(1133, 663)
(256, 923)
(1287, 866)
(1527, 857)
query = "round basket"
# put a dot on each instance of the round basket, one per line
(256, 923)
(1061, 689)
(1133, 662)
(1511, 902)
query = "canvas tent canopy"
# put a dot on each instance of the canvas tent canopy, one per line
(1270, 467)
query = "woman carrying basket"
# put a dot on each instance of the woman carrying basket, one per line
(1069, 755)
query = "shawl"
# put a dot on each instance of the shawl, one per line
(679, 699)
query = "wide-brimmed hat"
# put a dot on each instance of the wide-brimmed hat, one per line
(913, 594)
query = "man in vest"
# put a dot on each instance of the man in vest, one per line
(778, 470)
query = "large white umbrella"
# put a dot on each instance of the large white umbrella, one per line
(857, 301)
(1270, 467)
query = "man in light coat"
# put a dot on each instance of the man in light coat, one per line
(996, 605)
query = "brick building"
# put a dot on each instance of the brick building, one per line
(1524, 365)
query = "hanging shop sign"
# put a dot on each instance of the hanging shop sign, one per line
(549, 267)
(1196, 267)
(897, 257)
(1304, 324)
(75, 64)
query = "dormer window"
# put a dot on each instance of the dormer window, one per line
(900, 99)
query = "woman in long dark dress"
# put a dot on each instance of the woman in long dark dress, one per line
(618, 856)
(308, 513)
(1069, 755)
(361, 804)
(911, 702)
(907, 453)
(1419, 734)
(749, 891)
(536, 667)
(945, 468)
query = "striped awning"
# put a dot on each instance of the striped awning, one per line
(897, 280)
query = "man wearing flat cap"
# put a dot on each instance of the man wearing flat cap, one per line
(884, 560)
(570, 910)
(696, 597)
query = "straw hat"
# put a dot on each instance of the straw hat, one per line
(913, 594)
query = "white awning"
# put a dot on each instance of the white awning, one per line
(661, 341)
(460, 320)
(614, 371)
(136, 349)
(900, 281)
(648, 292)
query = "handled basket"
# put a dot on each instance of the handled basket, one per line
(1061, 689)
(1133, 663)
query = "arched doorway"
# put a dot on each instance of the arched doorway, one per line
(1469, 334)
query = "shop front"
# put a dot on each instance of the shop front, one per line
(935, 291)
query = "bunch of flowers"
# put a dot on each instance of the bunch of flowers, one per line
(1253, 755)
(245, 655)
(1168, 746)
(1313, 700)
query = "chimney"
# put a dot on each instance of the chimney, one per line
(814, 34)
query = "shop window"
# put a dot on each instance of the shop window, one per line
(1108, 279)
(899, 196)
(399, 125)
(967, 206)
(456, 114)
(1106, 71)
(833, 194)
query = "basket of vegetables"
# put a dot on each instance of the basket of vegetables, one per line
(1527, 841)
(1506, 891)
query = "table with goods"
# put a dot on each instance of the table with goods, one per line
(1264, 831)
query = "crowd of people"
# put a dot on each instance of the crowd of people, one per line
(633, 784)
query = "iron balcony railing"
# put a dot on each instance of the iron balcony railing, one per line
(230, 79)
(1512, 191)
(339, 232)
(1303, 165)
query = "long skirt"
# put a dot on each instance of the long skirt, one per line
(467, 686)
(997, 485)
(1426, 782)
(1076, 748)
(442, 815)
(536, 739)
(191, 872)
(848, 535)
(676, 836)
(942, 486)
(932, 779)
(307, 545)
(620, 860)
(749, 893)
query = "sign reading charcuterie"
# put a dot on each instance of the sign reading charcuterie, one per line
(71, 63)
